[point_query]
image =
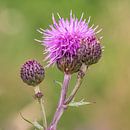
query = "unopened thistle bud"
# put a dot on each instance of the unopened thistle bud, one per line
(90, 51)
(32, 73)
(69, 65)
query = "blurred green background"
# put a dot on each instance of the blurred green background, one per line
(107, 83)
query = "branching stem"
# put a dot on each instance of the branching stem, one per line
(61, 106)
(63, 101)
(79, 81)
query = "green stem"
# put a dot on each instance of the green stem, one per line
(41, 102)
(43, 113)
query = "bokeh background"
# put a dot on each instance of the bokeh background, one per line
(107, 83)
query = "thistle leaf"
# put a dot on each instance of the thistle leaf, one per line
(77, 104)
(35, 123)
(58, 83)
(26, 119)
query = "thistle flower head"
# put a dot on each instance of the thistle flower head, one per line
(32, 73)
(65, 37)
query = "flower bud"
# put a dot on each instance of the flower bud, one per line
(38, 95)
(90, 51)
(69, 65)
(32, 73)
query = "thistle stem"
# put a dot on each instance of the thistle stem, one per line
(41, 102)
(79, 81)
(43, 113)
(61, 106)
(63, 102)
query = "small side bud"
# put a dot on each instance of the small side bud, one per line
(38, 95)
(32, 73)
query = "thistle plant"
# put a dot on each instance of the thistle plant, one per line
(73, 47)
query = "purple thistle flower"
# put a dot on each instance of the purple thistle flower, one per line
(32, 73)
(65, 38)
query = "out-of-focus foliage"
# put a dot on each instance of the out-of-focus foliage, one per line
(107, 83)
